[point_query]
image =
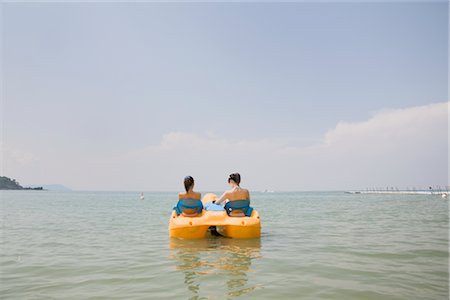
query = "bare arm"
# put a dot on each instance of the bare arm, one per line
(222, 198)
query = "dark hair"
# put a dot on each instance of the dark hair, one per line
(188, 182)
(235, 177)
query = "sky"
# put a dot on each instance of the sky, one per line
(294, 96)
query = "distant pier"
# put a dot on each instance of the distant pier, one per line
(444, 192)
(399, 192)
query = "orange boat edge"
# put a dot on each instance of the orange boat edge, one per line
(231, 227)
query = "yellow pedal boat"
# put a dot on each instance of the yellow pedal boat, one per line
(197, 227)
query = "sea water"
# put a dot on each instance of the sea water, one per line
(321, 245)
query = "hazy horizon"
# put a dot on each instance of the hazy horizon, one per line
(294, 96)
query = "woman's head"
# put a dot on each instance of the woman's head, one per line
(235, 177)
(188, 183)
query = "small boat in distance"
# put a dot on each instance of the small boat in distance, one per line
(142, 196)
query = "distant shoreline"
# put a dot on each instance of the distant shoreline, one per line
(24, 189)
(9, 184)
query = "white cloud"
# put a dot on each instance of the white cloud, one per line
(402, 147)
(392, 126)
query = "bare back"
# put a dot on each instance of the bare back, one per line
(238, 194)
(189, 195)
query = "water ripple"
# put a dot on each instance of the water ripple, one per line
(331, 246)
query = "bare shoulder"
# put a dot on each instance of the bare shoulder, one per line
(225, 195)
(181, 195)
(228, 193)
(244, 191)
(197, 195)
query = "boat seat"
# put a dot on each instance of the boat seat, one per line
(238, 208)
(189, 207)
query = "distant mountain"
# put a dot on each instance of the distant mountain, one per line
(56, 187)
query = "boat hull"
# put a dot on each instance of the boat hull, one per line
(232, 227)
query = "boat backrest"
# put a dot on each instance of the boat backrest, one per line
(238, 205)
(189, 207)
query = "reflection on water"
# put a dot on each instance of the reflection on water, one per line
(214, 264)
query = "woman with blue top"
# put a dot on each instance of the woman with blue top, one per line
(189, 203)
(237, 199)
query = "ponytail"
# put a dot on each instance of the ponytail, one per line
(188, 182)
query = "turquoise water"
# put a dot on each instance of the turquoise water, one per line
(81, 245)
